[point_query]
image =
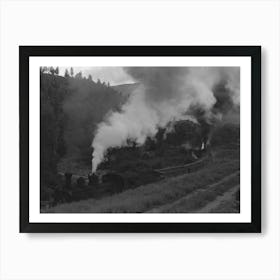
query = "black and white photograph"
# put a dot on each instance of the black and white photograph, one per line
(139, 139)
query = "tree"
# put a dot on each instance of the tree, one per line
(66, 74)
(56, 70)
(52, 70)
(52, 119)
(225, 134)
(71, 72)
(79, 75)
(108, 84)
(90, 77)
(43, 69)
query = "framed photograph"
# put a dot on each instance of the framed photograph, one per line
(140, 138)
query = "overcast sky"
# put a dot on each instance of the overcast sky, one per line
(113, 75)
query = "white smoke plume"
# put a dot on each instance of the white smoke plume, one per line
(165, 94)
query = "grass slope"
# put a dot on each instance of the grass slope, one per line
(146, 197)
(202, 198)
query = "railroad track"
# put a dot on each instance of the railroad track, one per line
(187, 168)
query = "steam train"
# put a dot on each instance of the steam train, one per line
(75, 187)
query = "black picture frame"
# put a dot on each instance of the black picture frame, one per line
(25, 52)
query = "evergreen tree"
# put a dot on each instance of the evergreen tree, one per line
(43, 69)
(79, 75)
(71, 72)
(66, 74)
(52, 70)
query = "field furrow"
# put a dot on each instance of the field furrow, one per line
(151, 196)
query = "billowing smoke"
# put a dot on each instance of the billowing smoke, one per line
(166, 95)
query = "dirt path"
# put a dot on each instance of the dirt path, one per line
(226, 197)
(202, 206)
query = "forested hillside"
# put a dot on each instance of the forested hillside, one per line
(71, 107)
(126, 89)
(85, 106)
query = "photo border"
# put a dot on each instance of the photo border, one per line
(250, 51)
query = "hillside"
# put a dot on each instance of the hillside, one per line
(126, 89)
(71, 108)
(214, 188)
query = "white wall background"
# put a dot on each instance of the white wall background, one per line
(139, 256)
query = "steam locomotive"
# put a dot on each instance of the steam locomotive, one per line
(77, 187)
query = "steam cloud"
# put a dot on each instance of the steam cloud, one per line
(165, 95)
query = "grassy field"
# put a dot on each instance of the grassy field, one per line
(148, 197)
(206, 199)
